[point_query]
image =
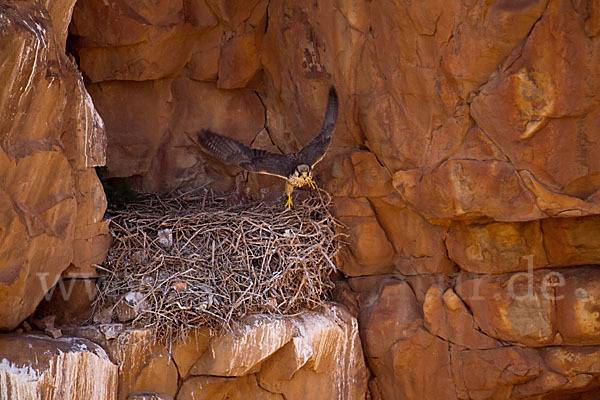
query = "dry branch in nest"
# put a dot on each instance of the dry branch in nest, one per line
(187, 261)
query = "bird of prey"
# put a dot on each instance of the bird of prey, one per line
(295, 168)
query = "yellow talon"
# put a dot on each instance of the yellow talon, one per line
(311, 183)
(289, 202)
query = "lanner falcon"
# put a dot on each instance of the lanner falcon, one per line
(295, 168)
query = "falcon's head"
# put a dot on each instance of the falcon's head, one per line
(301, 176)
(302, 170)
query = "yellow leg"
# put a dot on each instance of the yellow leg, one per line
(312, 183)
(288, 190)
(289, 202)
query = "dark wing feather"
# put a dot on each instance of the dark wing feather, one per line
(234, 152)
(314, 151)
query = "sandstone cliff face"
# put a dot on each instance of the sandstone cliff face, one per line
(36, 367)
(308, 356)
(465, 155)
(465, 165)
(51, 202)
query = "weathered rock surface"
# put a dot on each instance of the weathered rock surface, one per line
(537, 309)
(514, 308)
(51, 137)
(186, 354)
(60, 15)
(155, 149)
(228, 355)
(143, 366)
(572, 241)
(464, 164)
(578, 306)
(311, 355)
(37, 367)
(546, 104)
(457, 343)
(316, 354)
(447, 317)
(506, 370)
(149, 396)
(213, 387)
(69, 301)
(396, 373)
(496, 247)
(387, 316)
(323, 359)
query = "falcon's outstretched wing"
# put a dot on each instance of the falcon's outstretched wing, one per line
(314, 151)
(234, 152)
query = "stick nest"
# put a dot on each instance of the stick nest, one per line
(188, 261)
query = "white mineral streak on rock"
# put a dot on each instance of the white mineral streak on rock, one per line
(18, 382)
(237, 352)
(79, 375)
(311, 355)
(347, 355)
(324, 359)
(93, 124)
(55, 369)
(131, 348)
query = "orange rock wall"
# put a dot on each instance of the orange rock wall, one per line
(51, 138)
(466, 153)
